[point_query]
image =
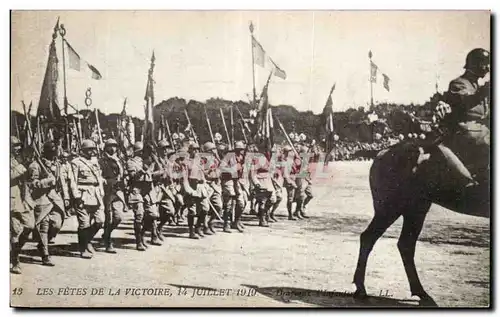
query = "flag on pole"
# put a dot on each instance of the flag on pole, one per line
(48, 105)
(373, 73)
(265, 122)
(328, 113)
(278, 72)
(148, 128)
(258, 53)
(386, 82)
(75, 62)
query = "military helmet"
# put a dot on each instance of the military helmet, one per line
(194, 146)
(138, 146)
(208, 146)
(221, 147)
(110, 142)
(49, 146)
(477, 58)
(238, 145)
(65, 154)
(287, 148)
(163, 144)
(304, 149)
(14, 141)
(88, 144)
(175, 136)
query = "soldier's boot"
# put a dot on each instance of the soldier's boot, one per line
(206, 225)
(46, 261)
(82, 244)
(304, 205)
(159, 228)
(298, 210)
(211, 224)
(200, 223)
(192, 234)
(271, 214)
(227, 221)
(108, 243)
(263, 218)
(237, 219)
(290, 215)
(91, 232)
(137, 231)
(14, 258)
(155, 240)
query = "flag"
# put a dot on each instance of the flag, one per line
(386, 81)
(48, 106)
(75, 62)
(259, 54)
(265, 122)
(328, 113)
(148, 128)
(95, 73)
(278, 72)
(373, 72)
(73, 57)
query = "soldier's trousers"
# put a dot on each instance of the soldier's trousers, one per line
(22, 224)
(215, 200)
(197, 207)
(151, 214)
(113, 218)
(48, 227)
(90, 220)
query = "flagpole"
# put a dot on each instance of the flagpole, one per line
(62, 32)
(253, 64)
(371, 82)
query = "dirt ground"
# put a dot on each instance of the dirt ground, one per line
(306, 263)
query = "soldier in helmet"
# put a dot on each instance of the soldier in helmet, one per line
(166, 207)
(211, 163)
(234, 190)
(67, 181)
(141, 184)
(22, 219)
(278, 182)
(303, 182)
(464, 115)
(263, 187)
(114, 197)
(46, 191)
(88, 197)
(196, 191)
(290, 171)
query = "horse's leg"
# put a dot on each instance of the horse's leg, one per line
(412, 226)
(383, 219)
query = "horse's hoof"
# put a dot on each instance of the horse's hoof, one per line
(426, 301)
(359, 294)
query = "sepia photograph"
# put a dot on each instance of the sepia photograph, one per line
(242, 159)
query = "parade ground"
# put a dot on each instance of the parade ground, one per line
(305, 263)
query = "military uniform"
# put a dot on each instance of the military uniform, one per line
(196, 196)
(114, 196)
(260, 176)
(168, 188)
(46, 190)
(211, 171)
(469, 134)
(234, 189)
(278, 182)
(89, 194)
(22, 219)
(291, 169)
(303, 194)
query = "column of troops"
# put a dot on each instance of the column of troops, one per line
(158, 184)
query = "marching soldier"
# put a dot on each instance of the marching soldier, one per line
(291, 168)
(151, 193)
(263, 186)
(234, 191)
(196, 193)
(88, 197)
(114, 197)
(303, 182)
(278, 182)
(141, 184)
(22, 219)
(67, 180)
(166, 207)
(212, 175)
(46, 191)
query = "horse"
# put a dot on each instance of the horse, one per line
(405, 180)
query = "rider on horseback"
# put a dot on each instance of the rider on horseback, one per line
(464, 120)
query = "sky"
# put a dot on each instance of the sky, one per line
(205, 54)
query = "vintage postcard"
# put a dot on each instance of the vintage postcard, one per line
(250, 159)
